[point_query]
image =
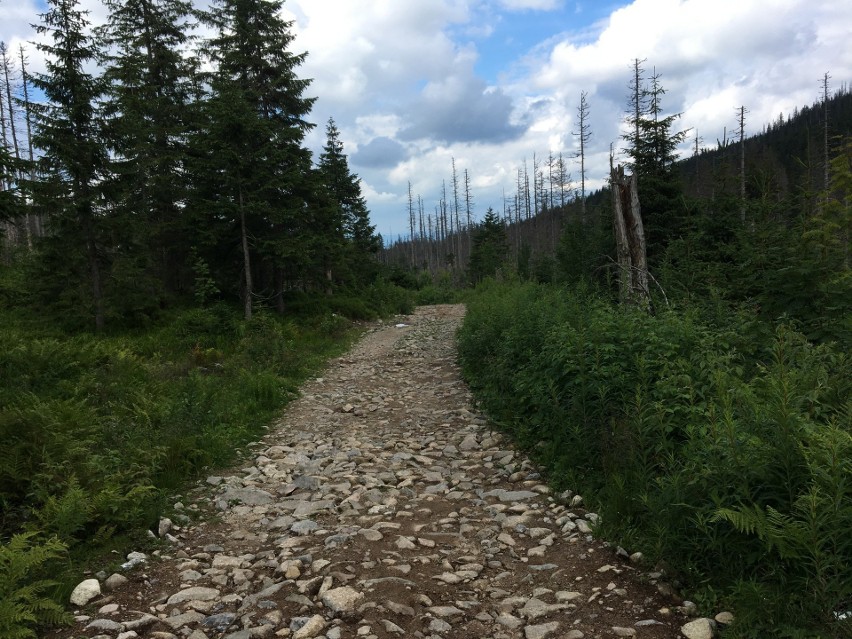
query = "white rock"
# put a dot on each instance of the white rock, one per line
(313, 628)
(115, 581)
(542, 630)
(85, 592)
(342, 600)
(164, 526)
(196, 593)
(699, 629)
(725, 618)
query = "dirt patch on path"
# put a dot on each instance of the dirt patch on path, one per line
(381, 505)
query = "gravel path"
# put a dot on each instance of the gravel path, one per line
(381, 505)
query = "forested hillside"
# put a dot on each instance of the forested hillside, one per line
(176, 171)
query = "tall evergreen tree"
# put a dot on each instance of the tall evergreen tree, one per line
(652, 148)
(73, 161)
(348, 205)
(490, 247)
(253, 162)
(149, 83)
(8, 198)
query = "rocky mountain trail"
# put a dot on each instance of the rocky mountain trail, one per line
(380, 506)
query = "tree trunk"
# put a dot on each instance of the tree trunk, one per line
(279, 291)
(246, 258)
(94, 271)
(630, 240)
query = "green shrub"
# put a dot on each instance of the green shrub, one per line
(720, 449)
(25, 604)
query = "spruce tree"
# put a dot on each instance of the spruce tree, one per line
(350, 218)
(9, 209)
(652, 149)
(73, 161)
(253, 166)
(148, 82)
(490, 247)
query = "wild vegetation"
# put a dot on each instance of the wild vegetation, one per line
(710, 424)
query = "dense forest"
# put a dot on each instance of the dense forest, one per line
(168, 176)
(175, 261)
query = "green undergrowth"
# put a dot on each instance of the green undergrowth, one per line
(98, 430)
(719, 446)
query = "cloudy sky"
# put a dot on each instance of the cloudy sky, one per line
(414, 84)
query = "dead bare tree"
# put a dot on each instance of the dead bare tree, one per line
(742, 112)
(583, 136)
(629, 239)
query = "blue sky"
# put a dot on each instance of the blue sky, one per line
(414, 84)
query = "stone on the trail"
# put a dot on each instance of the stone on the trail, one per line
(343, 600)
(196, 593)
(535, 608)
(107, 625)
(399, 609)
(304, 527)
(115, 581)
(285, 521)
(620, 631)
(392, 628)
(404, 543)
(219, 622)
(445, 611)
(143, 622)
(574, 634)
(505, 538)
(439, 626)
(179, 621)
(134, 559)
(85, 591)
(509, 621)
(542, 630)
(469, 443)
(246, 496)
(313, 628)
(699, 629)
(225, 561)
(130, 634)
(564, 596)
(164, 526)
(511, 495)
(371, 535)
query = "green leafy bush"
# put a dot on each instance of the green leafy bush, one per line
(25, 602)
(718, 448)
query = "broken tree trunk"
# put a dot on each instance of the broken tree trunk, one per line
(630, 240)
